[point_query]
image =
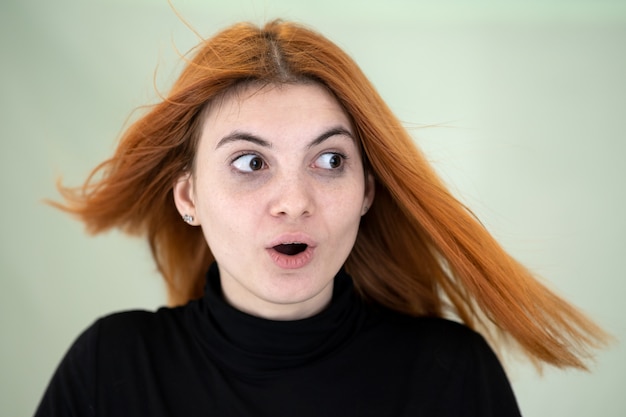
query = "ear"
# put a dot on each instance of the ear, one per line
(370, 191)
(184, 198)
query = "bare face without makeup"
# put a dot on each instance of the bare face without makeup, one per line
(279, 190)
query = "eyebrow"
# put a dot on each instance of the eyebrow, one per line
(238, 135)
(245, 136)
(335, 131)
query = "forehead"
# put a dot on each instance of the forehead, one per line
(270, 106)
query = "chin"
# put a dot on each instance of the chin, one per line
(288, 291)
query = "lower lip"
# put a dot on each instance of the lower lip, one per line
(291, 261)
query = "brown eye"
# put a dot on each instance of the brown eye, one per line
(249, 163)
(330, 160)
(335, 161)
(256, 164)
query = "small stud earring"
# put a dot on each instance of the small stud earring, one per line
(187, 218)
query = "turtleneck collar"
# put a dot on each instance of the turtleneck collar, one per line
(253, 345)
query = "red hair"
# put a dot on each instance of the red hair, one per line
(419, 250)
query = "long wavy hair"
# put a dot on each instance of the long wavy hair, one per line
(418, 251)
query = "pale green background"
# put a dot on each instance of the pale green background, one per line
(529, 96)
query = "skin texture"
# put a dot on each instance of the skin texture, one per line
(277, 165)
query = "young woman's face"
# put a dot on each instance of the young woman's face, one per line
(279, 190)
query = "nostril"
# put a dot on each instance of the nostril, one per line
(291, 248)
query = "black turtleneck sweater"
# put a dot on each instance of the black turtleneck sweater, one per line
(209, 359)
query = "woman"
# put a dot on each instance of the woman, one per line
(333, 253)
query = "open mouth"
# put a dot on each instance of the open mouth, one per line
(291, 248)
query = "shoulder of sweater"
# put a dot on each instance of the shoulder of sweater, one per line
(442, 337)
(134, 325)
(419, 324)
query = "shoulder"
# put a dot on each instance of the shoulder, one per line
(430, 330)
(137, 327)
(131, 344)
(132, 321)
(452, 366)
(450, 344)
(127, 334)
(73, 387)
(118, 326)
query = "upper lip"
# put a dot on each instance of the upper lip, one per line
(290, 238)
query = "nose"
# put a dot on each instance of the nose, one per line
(292, 196)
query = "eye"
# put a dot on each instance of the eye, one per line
(249, 163)
(330, 160)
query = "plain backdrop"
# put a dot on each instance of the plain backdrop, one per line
(521, 106)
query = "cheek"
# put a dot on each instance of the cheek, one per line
(223, 229)
(350, 195)
(228, 219)
(344, 208)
